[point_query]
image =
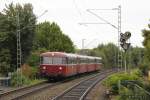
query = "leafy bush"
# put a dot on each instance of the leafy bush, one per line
(136, 72)
(35, 71)
(34, 59)
(5, 59)
(30, 72)
(19, 79)
(112, 81)
(144, 69)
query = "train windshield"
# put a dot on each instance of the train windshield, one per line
(53, 60)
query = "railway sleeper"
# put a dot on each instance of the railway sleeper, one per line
(75, 93)
(71, 96)
(80, 90)
(81, 87)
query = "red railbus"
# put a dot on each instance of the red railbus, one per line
(56, 65)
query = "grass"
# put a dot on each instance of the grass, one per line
(36, 81)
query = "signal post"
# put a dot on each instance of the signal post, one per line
(124, 37)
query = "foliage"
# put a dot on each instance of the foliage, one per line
(34, 59)
(107, 52)
(136, 72)
(29, 72)
(146, 42)
(36, 81)
(50, 37)
(112, 81)
(144, 69)
(19, 79)
(135, 56)
(8, 27)
(147, 86)
(4, 61)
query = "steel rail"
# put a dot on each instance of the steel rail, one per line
(81, 89)
(20, 89)
(26, 91)
(35, 91)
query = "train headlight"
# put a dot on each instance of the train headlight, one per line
(44, 67)
(60, 68)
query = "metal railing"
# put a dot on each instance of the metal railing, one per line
(130, 90)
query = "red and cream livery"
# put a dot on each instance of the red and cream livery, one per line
(59, 64)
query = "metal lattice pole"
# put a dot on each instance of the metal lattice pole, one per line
(18, 49)
(18, 43)
(120, 55)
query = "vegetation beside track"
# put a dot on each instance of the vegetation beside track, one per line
(124, 85)
(19, 79)
(112, 80)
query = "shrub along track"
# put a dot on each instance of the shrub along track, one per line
(81, 89)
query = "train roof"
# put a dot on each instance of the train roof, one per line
(63, 54)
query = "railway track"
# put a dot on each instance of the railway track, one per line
(81, 89)
(25, 91)
(32, 90)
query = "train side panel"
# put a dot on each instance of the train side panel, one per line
(71, 70)
(91, 67)
(82, 68)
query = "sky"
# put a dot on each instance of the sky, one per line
(68, 14)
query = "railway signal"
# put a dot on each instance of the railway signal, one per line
(124, 37)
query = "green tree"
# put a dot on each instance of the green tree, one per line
(4, 61)
(8, 30)
(108, 53)
(50, 37)
(135, 56)
(146, 42)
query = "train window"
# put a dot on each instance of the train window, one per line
(69, 61)
(83, 60)
(53, 60)
(78, 60)
(75, 60)
(46, 60)
(72, 60)
(57, 60)
(64, 60)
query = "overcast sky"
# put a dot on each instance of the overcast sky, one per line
(69, 13)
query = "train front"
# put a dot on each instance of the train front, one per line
(52, 65)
